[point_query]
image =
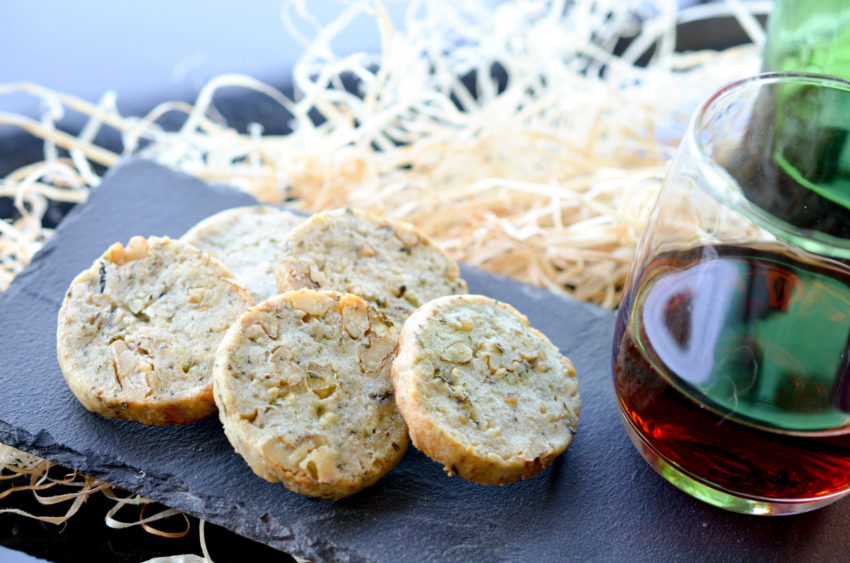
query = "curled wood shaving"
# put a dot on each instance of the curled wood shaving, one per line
(143, 520)
(15, 465)
(546, 176)
(164, 514)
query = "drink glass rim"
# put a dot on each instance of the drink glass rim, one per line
(723, 187)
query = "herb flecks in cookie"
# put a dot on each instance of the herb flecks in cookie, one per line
(389, 264)
(303, 385)
(137, 331)
(482, 392)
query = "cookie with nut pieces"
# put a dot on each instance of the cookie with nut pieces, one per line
(482, 392)
(389, 264)
(247, 240)
(302, 382)
(137, 331)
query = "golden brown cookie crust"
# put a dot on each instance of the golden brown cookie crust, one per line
(389, 264)
(303, 386)
(482, 392)
(137, 331)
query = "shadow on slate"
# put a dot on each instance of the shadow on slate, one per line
(599, 501)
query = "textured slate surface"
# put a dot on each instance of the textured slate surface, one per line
(599, 501)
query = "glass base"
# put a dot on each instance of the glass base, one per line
(715, 496)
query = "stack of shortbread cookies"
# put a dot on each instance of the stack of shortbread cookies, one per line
(362, 334)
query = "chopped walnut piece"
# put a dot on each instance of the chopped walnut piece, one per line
(136, 249)
(115, 253)
(458, 352)
(355, 316)
(409, 238)
(130, 369)
(310, 302)
(378, 350)
(196, 294)
(321, 464)
(102, 300)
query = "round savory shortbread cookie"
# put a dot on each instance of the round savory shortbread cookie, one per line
(248, 241)
(137, 331)
(302, 382)
(389, 264)
(482, 392)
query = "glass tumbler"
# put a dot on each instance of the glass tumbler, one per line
(730, 361)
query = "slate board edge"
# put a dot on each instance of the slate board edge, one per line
(178, 496)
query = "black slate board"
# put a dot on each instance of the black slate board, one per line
(599, 501)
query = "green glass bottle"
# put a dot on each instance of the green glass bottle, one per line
(809, 36)
(801, 174)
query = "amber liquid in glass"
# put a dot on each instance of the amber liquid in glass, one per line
(731, 364)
